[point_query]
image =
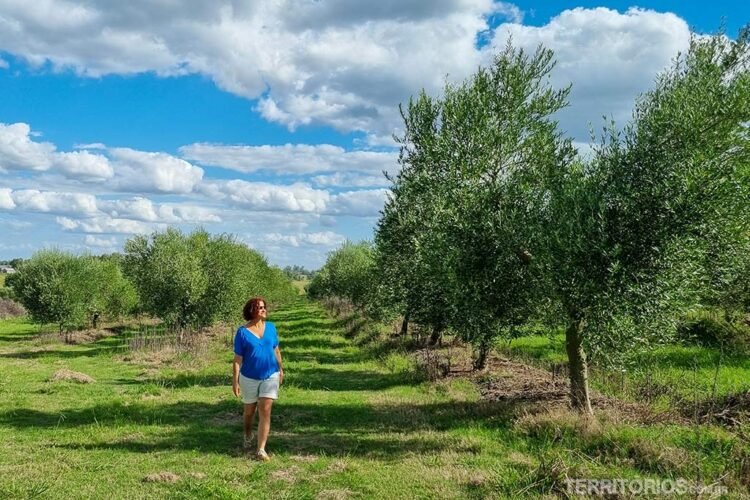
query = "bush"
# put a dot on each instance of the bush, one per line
(714, 328)
(10, 309)
(56, 287)
(191, 281)
(349, 272)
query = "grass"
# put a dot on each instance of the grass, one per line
(668, 375)
(348, 424)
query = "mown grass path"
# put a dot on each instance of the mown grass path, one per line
(164, 424)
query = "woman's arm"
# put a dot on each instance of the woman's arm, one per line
(281, 367)
(236, 374)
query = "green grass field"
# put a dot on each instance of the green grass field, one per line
(162, 423)
(667, 376)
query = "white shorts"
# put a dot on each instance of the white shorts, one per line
(253, 389)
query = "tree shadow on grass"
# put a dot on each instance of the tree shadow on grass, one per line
(319, 342)
(379, 431)
(327, 379)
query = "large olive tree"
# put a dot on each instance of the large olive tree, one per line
(645, 227)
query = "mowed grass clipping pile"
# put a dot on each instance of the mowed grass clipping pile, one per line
(163, 423)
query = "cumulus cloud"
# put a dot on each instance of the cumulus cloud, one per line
(290, 158)
(142, 171)
(108, 225)
(143, 209)
(32, 200)
(93, 241)
(324, 238)
(610, 58)
(6, 199)
(296, 197)
(84, 165)
(365, 203)
(19, 152)
(339, 63)
(346, 179)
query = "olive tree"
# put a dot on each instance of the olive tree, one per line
(629, 233)
(347, 273)
(56, 287)
(457, 233)
(194, 280)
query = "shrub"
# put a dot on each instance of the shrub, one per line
(714, 328)
(191, 281)
(10, 309)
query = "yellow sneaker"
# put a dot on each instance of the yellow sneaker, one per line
(262, 456)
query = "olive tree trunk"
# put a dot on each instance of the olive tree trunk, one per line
(579, 377)
(404, 325)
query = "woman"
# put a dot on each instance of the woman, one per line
(257, 371)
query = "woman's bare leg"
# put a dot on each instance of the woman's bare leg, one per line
(249, 417)
(264, 421)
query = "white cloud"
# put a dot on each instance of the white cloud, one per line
(108, 225)
(19, 152)
(325, 238)
(339, 63)
(6, 199)
(271, 197)
(350, 180)
(32, 200)
(365, 203)
(143, 209)
(609, 57)
(290, 158)
(93, 241)
(4, 64)
(141, 171)
(93, 145)
(83, 165)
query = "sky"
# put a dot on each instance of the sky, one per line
(273, 121)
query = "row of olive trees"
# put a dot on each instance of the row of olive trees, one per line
(348, 272)
(495, 220)
(72, 291)
(189, 281)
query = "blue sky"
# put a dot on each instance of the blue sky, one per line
(270, 121)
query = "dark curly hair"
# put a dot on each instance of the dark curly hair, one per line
(250, 311)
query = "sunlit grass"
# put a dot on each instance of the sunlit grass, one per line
(348, 424)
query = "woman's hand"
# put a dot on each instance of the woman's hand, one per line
(236, 389)
(281, 377)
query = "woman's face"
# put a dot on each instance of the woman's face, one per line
(262, 313)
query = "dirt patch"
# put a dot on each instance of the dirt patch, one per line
(337, 467)
(536, 390)
(226, 418)
(161, 477)
(304, 458)
(334, 494)
(732, 410)
(72, 376)
(197, 475)
(288, 475)
(88, 336)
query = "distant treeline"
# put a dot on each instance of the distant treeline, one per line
(187, 280)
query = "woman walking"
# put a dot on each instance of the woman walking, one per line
(257, 371)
